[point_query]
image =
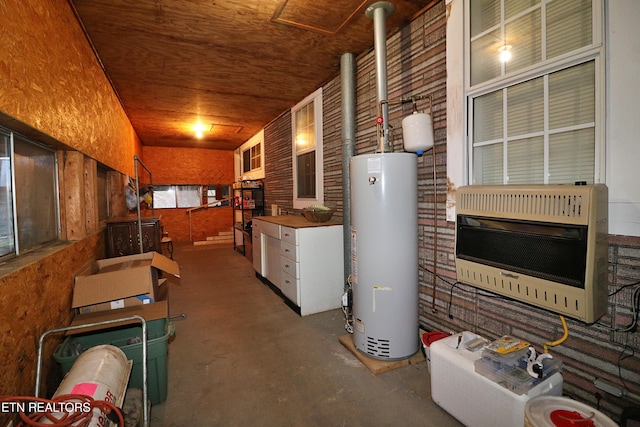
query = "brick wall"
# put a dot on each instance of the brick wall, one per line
(278, 167)
(416, 65)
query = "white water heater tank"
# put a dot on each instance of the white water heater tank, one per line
(384, 254)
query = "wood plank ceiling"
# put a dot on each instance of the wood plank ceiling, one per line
(233, 65)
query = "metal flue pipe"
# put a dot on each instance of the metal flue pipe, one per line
(379, 12)
(348, 88)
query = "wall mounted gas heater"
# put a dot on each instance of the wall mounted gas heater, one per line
(545, 245)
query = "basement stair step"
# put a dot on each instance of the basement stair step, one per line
(223, 237)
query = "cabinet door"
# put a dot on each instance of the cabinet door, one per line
(120, 239)
(150, 236)
(272, 261)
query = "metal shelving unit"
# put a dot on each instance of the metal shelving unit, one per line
(248, 202)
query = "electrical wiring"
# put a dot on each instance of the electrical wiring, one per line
(623, 287)
(60, 411)
(622, 357)
(454, 285)
(346, 308)
(348, 325)
(635, 309)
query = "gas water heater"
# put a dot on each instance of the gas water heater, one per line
(384, 254)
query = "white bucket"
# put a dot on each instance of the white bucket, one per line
(429, 338)
(539, 412)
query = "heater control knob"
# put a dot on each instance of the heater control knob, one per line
(372, 180)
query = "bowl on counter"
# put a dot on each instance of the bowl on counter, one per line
(315, 214)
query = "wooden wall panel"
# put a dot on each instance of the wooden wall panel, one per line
(35, 298)
(74, 191)
(91, 195)
(188, 165)
(52, 84)
(53, 90)
(204, 223)
(117, 202)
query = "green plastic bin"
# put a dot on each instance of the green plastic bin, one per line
(129, 339)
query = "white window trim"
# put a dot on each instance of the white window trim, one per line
(257, 173)
(457, 160)
(299, 203)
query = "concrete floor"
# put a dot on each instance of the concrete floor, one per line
(244, 358)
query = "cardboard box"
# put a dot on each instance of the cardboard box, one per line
(120, 282)
(160, 294)
(150, 312)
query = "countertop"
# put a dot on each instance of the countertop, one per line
(296, 221)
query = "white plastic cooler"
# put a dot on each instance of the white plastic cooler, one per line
(473, 399)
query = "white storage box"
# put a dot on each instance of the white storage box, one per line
(473, 399)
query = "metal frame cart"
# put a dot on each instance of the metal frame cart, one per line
(101, 324)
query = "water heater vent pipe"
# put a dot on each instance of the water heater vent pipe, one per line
(378, 12)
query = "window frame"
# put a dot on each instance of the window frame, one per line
(594, 52)
(19, 247)
(303, 202)
(256, 172)
(254, 158)
(177, 196)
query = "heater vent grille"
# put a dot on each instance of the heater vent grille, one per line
(556, 203)
(566, 301)
(546, 245)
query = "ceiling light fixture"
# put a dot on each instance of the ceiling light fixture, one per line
(199, 129)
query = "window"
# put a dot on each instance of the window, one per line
(28, 194)
(176, 196)
(215, 193)
(534, 115)
(251, 159)
(306, 124)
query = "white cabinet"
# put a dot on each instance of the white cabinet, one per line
(308, 258)
(268, 249)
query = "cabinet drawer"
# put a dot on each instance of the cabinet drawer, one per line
(289, 286)
(287, 250)
(289, 235)
(289, 266)
(269, 228)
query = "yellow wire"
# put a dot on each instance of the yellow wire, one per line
(561, 340)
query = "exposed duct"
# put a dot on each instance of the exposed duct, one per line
(348, 87)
